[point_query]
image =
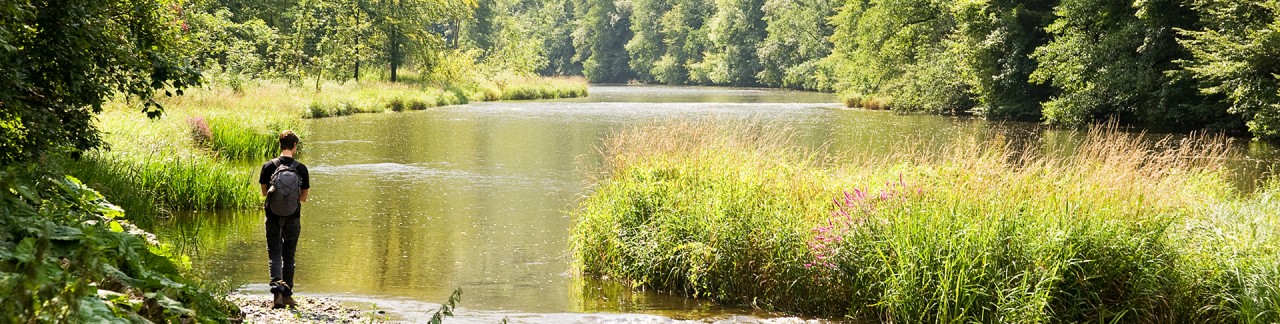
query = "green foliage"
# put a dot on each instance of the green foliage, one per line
(446, 309)
(685, 38)
(61, 60)
(735, 30)
(556, 20)
(480, 29)
(646, 45)
(230, 49)
(1235, 58)
(898, 49)
(994, 40)
(600, 38)
(797, 37)
(517, 42)
(66, 256)
(1109, 59)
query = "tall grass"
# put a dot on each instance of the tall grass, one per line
(181, 161)
(235, 140)
(157, 186)
(868, 102)
(542, 88)
(1119, 230)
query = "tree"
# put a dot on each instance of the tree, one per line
(414, 29)
(996, 39)
(1112, 59)
(685, 39)
(479, 30)
(600, 38)
(646, 45)
(798, 36)
(61, 60)
(1236, 58)
(227, 50)
(516, 40)
(735, 31)
(556, 19)
(899, 49)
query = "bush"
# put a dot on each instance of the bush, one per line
(66, 256)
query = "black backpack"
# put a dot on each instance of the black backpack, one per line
(286, 189)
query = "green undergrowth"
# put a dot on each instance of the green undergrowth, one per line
(67, 256)
(1120, 230)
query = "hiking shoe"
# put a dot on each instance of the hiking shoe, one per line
(288, 301)
(277, 301)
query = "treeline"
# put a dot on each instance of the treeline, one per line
(1176, 64)
(341, 40)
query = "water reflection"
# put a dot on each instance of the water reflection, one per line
(409, 206)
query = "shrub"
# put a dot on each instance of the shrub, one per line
(68, 257)
(396, 105)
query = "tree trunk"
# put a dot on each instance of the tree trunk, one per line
(395, 55)
(356, 13)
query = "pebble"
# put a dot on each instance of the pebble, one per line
(257, 309)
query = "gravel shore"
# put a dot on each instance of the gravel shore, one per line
(257, 309)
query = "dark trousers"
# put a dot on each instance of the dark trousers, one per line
(282, 243)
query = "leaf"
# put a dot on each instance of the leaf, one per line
(6, 251)
(111, 211)
(115, 227)
(66, 233)
(26, 251)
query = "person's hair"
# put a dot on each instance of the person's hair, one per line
(288, 140)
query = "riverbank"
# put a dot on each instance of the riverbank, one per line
(1111, 228)
(203, 152)
(257, 309)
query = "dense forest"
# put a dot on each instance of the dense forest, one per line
(1169, 64)
(1165, 64)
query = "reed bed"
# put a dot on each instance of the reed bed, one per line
(1118, 229)
(159, 186)
(526, 88)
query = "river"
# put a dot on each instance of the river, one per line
(406, 207)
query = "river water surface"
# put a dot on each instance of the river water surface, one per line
(406, 207)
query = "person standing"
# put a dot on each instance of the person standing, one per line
(285, 184)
